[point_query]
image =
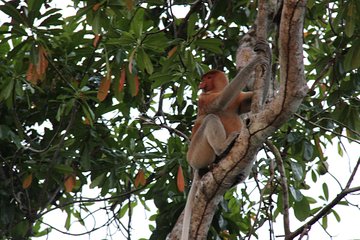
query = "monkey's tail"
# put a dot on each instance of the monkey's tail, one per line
(188, 207)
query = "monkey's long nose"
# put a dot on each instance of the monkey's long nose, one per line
(202, 85)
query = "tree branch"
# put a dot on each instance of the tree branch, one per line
(328, 207)
(284, 186)
(323, 211)
(351, 178)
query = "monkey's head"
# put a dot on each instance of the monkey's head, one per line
(214, 81)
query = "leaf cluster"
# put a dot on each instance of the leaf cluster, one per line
(106, 98)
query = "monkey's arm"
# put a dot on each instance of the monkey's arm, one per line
(239, 82)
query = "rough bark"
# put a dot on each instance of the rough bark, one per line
(262, 124)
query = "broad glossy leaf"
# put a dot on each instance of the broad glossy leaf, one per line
(191, 25)
(211, 44)
(302, 209)
(137, 22)
(98, 181)
(96, 23)
(308, 151)
(352, 57)
(8, 9)
(160, 79)
(350, 20)
(297, 170)
(297, 195)
(144, 61)
(52, 20)
(62, 168)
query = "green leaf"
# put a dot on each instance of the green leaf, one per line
(156, 42)
(68, 221)
(350, 20)
(340, 150)
(7, 89)
(89, 114)
(35, 5)
(159, 79)
(34, 9)
(123, 210)
(77, 215)
(125, 39)
(24, 44)
(142, 57)
(297, 195)
(52, 20)
(191, 25)
(313, 176)
(352, 57)
(302, 209)
(137, 22)
(20, 229)
(98, 181)
(308, 151)
(8, 9)
(324, 221)
(325, 191)
(211, 44)
(96, 23)
(62, 168)
(336, 215)
(297, 170)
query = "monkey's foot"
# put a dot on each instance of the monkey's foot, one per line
(230, 141)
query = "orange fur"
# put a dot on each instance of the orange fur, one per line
(218, 118)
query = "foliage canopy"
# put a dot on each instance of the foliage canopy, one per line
(107, 98)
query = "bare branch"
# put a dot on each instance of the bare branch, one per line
(351, 178)
(326, 210)
(327, 129)
(284, 186)
(151, 121)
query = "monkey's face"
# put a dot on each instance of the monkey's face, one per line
(213, 81)
(207, 83)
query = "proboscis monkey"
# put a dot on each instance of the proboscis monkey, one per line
(218, 121)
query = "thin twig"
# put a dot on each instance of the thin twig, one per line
(59, 73)
(148, 120)
(284, 186)
(326, 129)
(149, 180)
(67, 131)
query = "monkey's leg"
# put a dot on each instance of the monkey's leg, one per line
(210, 140)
